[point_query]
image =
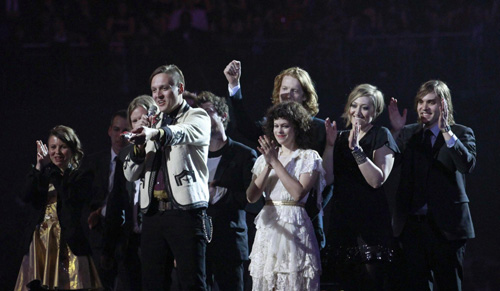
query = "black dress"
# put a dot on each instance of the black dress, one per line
(360, 222)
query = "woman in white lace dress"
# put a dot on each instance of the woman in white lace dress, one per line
(285, 254)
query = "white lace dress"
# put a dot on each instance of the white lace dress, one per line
(285, 253)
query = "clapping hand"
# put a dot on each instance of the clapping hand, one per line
(443, 115)
(354, 135)
(398, 121)
(42, 155)
(268, 149)
(331, 132)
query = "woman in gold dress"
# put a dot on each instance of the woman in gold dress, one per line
(56, 191)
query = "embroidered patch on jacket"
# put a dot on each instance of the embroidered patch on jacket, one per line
(177, 137)
(185, 176)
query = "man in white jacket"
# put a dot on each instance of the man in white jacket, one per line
(170, 155)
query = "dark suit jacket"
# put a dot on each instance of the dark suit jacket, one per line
(252, 130)
(109, 230)
(98, 164)
(230, 239)
(72, 195)
(444, 185)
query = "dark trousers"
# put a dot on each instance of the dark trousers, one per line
(228, 275)
(129, 263)
(96, 240)
(432, 262)
(169, 235)
(250, 218)
(373, 275)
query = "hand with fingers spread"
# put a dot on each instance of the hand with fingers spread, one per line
(268, 149)
(331, 132)
(398, 121)
(42, 155)
(233, 73)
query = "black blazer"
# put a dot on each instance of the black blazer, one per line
(73, 188)
(98, 164)
(252, 130)
(447, 200)
(230, 239)
(113, 227)
(121, 200)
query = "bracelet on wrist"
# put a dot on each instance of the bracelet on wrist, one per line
(446, 129)
(359, 155)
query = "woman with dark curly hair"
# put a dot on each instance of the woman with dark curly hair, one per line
(285, 253)
(58, 254)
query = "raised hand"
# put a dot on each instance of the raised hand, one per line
(398, 121)
(443, 115)
(233, 73)
(268, 150)
(42, 155)
(331, 132)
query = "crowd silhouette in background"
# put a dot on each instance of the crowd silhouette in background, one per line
(114, 24)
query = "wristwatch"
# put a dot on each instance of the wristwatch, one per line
(357, 149)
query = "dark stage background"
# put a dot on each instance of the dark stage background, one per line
(76, 62)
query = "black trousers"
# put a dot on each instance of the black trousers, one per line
(432, 262)
(169, 235)
(129, 263)
(96, 240)
(227, 274)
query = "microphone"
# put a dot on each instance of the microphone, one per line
(151, 111)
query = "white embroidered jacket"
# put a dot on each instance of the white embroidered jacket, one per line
(184, 157)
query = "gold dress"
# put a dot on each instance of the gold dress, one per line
(50, 265)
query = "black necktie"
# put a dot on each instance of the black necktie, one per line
(421, 172)
(427, 142)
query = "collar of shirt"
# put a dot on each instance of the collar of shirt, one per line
(113, 156)
(173, 114)
(435, 132)
(219, 152)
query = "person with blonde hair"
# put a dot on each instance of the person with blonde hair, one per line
(139, 106)
(58, 253)
(360, 161)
